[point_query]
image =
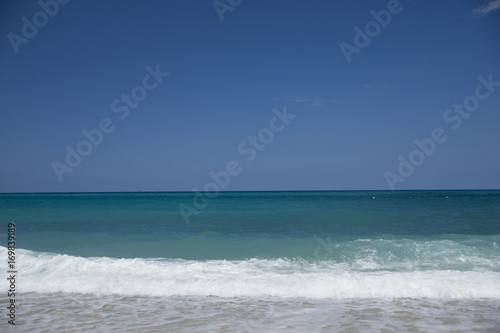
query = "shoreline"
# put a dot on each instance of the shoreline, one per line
(66, 312)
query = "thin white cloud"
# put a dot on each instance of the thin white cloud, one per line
(316, 101)
(487, 8)
(297, 99)
(375, 89)
(377, 86)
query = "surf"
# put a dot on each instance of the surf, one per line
(52, 273)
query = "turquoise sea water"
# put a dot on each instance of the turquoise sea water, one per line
(243, 225)
(265, 253)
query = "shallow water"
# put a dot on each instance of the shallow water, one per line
(70, 312)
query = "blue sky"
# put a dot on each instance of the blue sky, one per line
(353, 120)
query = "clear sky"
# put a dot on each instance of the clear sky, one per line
(348, 106)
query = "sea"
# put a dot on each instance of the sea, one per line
(296, 261)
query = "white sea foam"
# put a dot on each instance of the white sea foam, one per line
(49, 273)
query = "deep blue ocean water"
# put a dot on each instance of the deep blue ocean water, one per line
(323, 245)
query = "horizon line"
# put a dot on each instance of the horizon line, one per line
(239, 191)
